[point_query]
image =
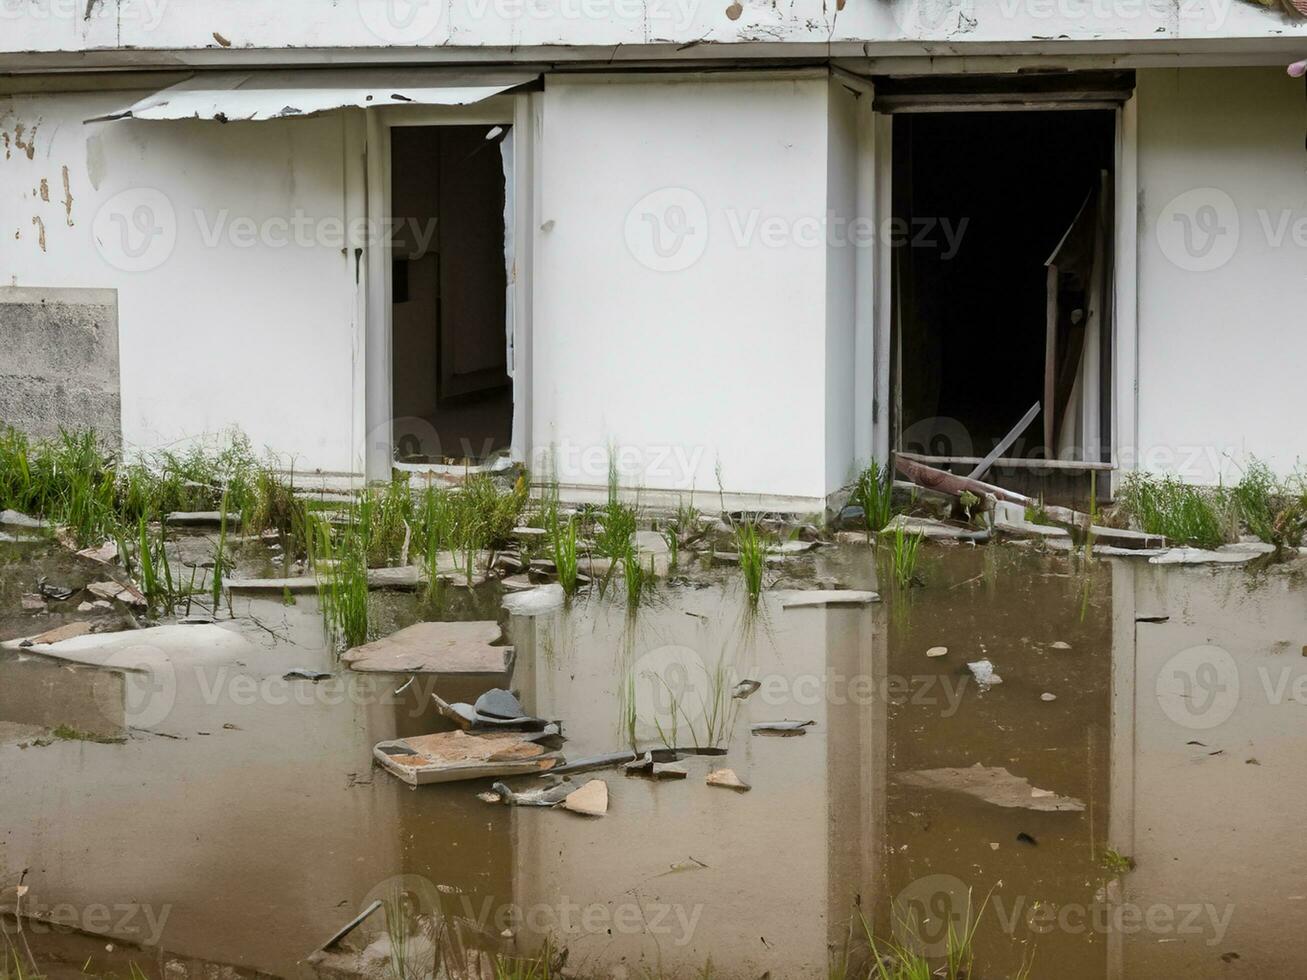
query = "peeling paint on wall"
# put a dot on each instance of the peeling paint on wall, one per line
(44, 190)
(40, 230)
(27, 145)
(68, 199)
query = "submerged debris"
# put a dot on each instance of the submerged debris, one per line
(534, 601)
(496, 708)
(993, 784)
(449, 756)
(590, 800)
(59, 593)
(746, 687)
(305, 674)
(548, 796)
(727, 779)
(827, 597)
(127, 594)
(983, 671)
(784, 729)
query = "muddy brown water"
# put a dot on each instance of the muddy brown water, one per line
(242, 822)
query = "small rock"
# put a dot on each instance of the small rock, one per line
(304, 674)
(86, 607)
(57, 592)
(669, 770)
(937, 652)
(1060, 645)
(591, 800)
(983, 671)
(727, 779)
(743, 689)
(1047, 696)
(106, 554)
(33, 602)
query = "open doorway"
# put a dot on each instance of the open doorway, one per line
(1001, 281)
(452, 394)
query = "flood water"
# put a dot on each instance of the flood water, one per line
(242, 822)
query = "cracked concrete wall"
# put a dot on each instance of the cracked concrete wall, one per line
(60, 366)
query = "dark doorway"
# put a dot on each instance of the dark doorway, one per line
(985, 204)
(452, 395)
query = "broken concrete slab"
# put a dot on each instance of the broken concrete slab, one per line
(933, 529)
(13, 518)
(1201, 556)
(451, 756)
(1029, 529)
(529, 533)
(727, 779)
(535, 601)
(152, 648)
(436, 648)
(517, 583)
(993, 784)
(1126, 538)
(118, 591)
(106, 554)
(590, 800)
(32, 602)
(802, 598)
(400, 577)
(793, 547)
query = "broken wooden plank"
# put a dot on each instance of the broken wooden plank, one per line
(945, 482)
(1005, 443)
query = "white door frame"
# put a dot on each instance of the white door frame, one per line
(1125, 322)
(517, 110)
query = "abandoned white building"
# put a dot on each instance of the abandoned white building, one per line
(752, 244)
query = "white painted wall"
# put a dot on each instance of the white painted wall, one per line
(1221, 337)
(230, 29)
(714, 348)
(225, 327)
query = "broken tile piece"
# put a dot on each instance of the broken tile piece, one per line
(590, 800)
(727, 779)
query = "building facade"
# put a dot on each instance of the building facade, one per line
(736, 250)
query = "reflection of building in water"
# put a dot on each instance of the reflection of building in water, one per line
(1046, 629)
(246, 821)
(1210, 713)
(680, 872)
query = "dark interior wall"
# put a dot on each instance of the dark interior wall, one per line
(972, 323)
(452, 395)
